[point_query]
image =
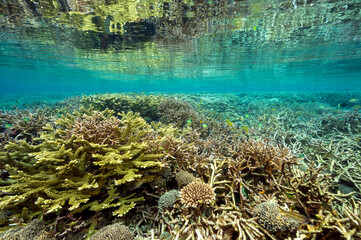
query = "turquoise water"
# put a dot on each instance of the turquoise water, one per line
(283, 46)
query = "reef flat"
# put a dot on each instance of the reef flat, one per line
(182, 166)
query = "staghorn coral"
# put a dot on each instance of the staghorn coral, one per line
(184, 178)
(175, 111)
(346, 123)
(22, 124)
(312, 189)
(96, 129)
(74, 174)
(116, 231)
(168, 199)
(270, 217)
(260, 157)
(197, 192)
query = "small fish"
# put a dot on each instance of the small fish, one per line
(244, 191)
(58, 114)
(204, 125)
(189, 121)
(247, 115)
(353, 100)
(8, 125)
(273, 109)
(301, 156)
(342, 105)
(201, 121)
(245, 128)
(26, 119)
(228, 122)
(260, 124)
(297, 217)
(302, 119)
(356, 107)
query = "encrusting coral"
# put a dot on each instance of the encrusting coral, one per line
(270, 217)
(184, 178)
(71, 173)
(168, 199)
(34, 230)
(116, 231)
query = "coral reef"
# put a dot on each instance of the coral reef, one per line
(196, 193)
(116, 231)
(90, 168)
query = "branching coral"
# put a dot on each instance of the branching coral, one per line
(176, 112)
(96, 129)
(145, 105)
(70, 173)
(347, 123)
(22, 125)
(262, 157)
(311, 189)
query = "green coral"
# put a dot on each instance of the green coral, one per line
(73, 173)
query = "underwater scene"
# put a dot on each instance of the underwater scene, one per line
(180, 119)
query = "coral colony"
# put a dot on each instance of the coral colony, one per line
(137, 166)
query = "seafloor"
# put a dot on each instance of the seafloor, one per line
(181, 166)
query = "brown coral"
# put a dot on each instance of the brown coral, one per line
(96, 128)
(176, 112)
(260, 156)
(184, 178)
(34, 230)
(116, 231)
(270, 217)
(197, 192)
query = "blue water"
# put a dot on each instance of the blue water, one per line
(324, 56)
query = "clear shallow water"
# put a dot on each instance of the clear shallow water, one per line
(246, 46)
